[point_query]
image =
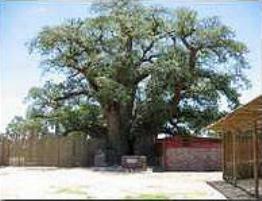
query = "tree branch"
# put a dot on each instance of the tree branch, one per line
(72, 94)
(141, 77)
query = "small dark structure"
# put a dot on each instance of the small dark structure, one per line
(189, 153)
(241, 132)
(134, 162)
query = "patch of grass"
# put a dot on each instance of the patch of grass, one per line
(149, 196)
(71, 190)
(195, 195)
(162, 196)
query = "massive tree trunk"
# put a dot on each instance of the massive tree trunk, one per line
(126, 124)
(114, 141)
(119, 122)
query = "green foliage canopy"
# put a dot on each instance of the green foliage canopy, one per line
(140, 69)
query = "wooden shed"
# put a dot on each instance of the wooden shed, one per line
(241, 132)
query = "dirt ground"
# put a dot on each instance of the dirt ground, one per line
(82, 183)
(233, 192)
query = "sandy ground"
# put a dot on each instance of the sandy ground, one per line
(82, 183)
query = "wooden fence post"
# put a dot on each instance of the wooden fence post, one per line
(2, 151)
(256, 160)
(234, 139)
(58, 152)
(224, 153)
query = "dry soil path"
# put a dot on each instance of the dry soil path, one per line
(72, 183)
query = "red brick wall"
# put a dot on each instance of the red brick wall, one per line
(190, 154)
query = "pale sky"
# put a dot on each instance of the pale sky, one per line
(21, 20)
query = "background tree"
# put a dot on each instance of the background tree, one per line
(65, 116)
(19, 126)
(143, 67)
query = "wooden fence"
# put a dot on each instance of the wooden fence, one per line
(48, 151)
(243, 156)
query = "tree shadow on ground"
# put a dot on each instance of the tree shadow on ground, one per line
(118, 169)
(230, 191)
(158, 169)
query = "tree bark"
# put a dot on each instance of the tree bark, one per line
(127, 117)
(119, 122)
(118, 125)
(174, 106)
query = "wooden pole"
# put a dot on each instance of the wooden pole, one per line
(2, 152)
(234, 157)
(223, 153)
(256, 160)
(58, 151)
